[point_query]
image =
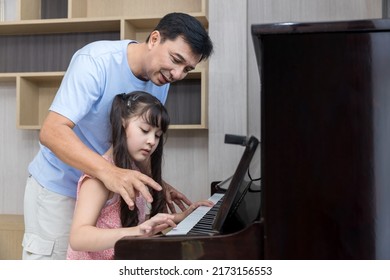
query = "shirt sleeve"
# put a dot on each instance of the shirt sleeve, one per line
(80, 88)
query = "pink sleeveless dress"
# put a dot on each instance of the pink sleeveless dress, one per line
(109, 218)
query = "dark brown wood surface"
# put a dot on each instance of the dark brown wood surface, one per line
(325, 129)
(245, 244)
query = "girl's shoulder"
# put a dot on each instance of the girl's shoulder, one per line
(85, 176)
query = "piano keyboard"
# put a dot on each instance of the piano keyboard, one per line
(200, 221)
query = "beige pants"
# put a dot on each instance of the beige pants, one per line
(47, 218)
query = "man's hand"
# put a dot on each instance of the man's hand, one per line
(128, 183)
(180, 216)
(173, 197)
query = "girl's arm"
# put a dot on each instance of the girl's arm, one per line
(85, 236)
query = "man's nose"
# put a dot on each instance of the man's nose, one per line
(178, 73)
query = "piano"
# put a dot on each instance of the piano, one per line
(325, 152)
(212, 232)
(325, 127)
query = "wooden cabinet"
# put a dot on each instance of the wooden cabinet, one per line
(11, 236)
(36, 49)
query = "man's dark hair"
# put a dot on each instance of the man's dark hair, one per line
(190, 29)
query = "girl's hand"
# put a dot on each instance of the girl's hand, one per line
(156, 224)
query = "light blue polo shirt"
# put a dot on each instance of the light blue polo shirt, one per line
(96, 73)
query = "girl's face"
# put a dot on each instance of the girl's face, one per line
(142, 138)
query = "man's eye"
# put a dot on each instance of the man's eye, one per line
(175, 60)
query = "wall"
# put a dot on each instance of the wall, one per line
(194, 158)
(17, 148)
(227, 85)
(9, 12)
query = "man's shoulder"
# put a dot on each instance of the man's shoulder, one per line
(98, 48)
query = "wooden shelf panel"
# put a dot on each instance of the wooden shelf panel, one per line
(139, 28)
(54, 26)
(44, 52)
(40, 9)
(124, 8)
(187, 126)
(186, 102)
(34, 94)
(7, 77)
(11, 236)
(63, 26)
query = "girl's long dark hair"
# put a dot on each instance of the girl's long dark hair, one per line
(144, 105)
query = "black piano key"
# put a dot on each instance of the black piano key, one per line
(205, 224)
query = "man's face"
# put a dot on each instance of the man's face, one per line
(169, 61)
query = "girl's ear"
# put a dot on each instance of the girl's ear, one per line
(124, 124)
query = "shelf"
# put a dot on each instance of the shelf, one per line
(11, 236)
(34, 94)
(35, 91)
(41, 9)
(61, 26)
(186, 103)
(48, 45)
(36, 50)
(146, 8)
(7, 77)
(44, 52)
(102, 24)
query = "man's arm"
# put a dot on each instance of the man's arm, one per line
(57, 134)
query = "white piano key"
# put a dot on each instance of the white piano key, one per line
(190, 221)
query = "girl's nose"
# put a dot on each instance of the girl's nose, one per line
(151, 140)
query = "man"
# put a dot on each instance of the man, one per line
(76, 130)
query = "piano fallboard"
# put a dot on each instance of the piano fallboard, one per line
(244, 244)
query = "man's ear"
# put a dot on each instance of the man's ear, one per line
(154, 38)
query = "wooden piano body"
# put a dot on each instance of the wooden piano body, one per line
(325, 150)
(229, 246)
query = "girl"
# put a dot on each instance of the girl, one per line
(101, 217)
